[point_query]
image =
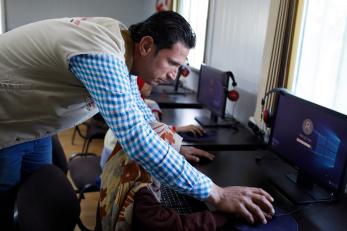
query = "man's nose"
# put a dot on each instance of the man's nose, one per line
(172, 74)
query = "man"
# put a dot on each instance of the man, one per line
(57, 73)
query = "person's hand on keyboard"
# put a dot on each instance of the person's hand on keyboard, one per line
(252, 204)
(195, 130)
(195, 155)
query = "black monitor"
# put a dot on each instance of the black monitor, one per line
(313, 139)
(212, 95)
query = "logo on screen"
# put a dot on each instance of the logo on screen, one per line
(307, 127)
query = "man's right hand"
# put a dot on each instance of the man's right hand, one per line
(252, 204)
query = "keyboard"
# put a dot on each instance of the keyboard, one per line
(181, 203)
(190, 137)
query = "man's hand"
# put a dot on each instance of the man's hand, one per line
(196, 130)
(193, 154)
(253, 204)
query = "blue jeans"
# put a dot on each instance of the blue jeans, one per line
(22, 159)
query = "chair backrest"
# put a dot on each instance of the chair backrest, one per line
(47, 201)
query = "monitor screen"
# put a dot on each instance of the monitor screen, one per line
(212, 90)
(312, 138)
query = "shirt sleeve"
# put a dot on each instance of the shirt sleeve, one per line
(107, 80)
(148, 115)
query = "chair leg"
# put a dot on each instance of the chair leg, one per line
(88, 142)
(73, 135)
(84, 145)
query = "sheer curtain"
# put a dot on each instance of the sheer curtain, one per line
(195, 12)
(2, 16)
(321, 63)
(278, 47)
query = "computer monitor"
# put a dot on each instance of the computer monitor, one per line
(212, 95)
(313, 139)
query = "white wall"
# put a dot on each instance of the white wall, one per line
(235, 41)
(20, 12)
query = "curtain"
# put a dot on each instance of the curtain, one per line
(277, 51)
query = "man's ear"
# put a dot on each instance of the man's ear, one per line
(146, 45)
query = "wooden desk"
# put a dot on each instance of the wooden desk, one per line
(165, 100)
(240, 168)
(226, 138)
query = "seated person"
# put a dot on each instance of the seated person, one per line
(130, 196)
(145, 90)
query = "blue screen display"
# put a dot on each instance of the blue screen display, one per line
(212, 89)
(312, 138)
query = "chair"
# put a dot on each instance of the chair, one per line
(84, 170)
(47, 201)
(58, 155)
(96, 128)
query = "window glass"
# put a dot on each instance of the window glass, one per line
(321, 62)
(195, 12)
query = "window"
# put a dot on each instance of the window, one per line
(195, 12)
(2, 28)
(321, 62)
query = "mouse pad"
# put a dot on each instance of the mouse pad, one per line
(189, 137)
(281, 221)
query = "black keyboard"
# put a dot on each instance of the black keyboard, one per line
(181, 203)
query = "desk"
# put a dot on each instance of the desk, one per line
(187, 100)
(226, 138)
(240, 168)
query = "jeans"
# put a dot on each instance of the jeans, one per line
(17, 162)
(22, 159)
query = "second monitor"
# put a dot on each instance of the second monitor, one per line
(212, 94)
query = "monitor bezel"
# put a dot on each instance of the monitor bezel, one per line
(343, 179)
(222, 114)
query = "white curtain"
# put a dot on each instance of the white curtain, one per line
(275, 67)
(235, 41)
(321, 66)
(2, 16)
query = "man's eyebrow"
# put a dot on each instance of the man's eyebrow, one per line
(174, 62)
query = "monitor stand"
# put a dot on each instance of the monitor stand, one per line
(177, 88)
(300, 189)
(213, 121)
(179, 91)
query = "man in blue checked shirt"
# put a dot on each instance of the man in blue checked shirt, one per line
(58, 73)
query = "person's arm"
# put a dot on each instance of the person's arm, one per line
(148, 214)
(107, 80)
(148, 115)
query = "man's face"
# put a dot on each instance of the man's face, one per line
(163, 65)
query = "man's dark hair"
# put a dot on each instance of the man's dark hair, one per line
(166, 28)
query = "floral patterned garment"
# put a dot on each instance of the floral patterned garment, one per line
(122, 178)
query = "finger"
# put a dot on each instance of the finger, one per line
(196, 130)
(202, 153)
(246, 214)
(256, 212)
(263, 193)
(199, 130)
(192, 158)
(263, 203)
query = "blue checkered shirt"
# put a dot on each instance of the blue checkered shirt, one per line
(117, 97)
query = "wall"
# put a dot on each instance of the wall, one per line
(235, 41)
(19, 12)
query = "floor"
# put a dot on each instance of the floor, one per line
(88, 205)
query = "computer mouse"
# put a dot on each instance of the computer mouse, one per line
(281, 221)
